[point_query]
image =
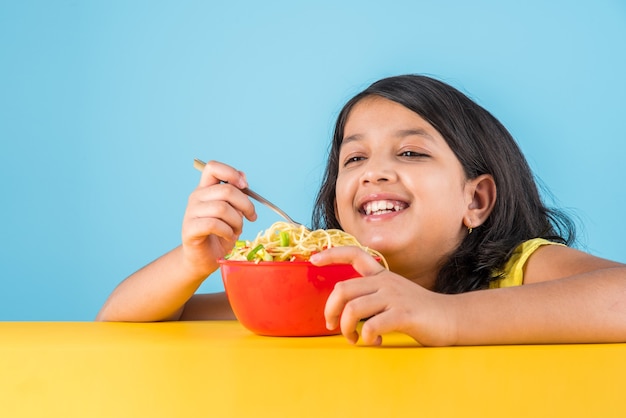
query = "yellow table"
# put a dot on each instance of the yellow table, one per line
(219, 369)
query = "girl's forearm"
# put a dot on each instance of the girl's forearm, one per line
(590, 307)
(157, 292)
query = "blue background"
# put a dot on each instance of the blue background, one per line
(104, 105)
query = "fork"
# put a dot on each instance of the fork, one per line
(199, 165)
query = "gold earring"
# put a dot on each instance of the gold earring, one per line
(469, 227)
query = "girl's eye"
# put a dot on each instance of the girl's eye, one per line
(413, 154)
(352, 160)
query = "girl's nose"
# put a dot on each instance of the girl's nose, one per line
(378, 172)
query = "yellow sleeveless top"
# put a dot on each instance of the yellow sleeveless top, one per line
(513, 271)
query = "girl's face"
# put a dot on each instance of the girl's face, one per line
(400, 188)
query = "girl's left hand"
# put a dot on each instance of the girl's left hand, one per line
(390, 301)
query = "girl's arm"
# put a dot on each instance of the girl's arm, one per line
(212, 223)
(586, 308)
(573, 297)
(568, 296)
(161, 291)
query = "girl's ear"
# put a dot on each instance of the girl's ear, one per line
(481, 193)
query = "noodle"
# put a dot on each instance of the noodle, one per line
(288, 242)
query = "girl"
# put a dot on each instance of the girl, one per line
(435, 183)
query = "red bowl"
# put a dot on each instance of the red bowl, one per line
(284, 299)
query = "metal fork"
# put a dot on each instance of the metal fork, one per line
(199, 165)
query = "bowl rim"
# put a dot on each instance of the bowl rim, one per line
(223, 261)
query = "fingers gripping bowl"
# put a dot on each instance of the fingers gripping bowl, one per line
(272, 287)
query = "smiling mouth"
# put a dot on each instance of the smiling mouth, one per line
(380, 207)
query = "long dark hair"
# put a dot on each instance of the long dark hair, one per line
(483, 146)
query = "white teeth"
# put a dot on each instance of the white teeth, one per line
(379, 207)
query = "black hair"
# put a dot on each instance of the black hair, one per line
(483, 146)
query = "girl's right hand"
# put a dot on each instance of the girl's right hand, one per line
(213, 219)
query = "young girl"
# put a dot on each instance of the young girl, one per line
(435, 183)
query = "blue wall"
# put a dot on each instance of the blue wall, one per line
(104, 105)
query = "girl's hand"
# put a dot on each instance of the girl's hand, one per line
(391, 302)
(213, 220)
